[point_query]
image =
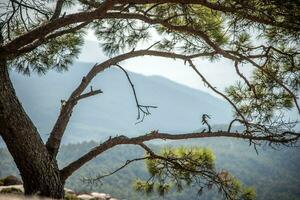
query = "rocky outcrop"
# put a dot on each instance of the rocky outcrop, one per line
(101, 196)
(10, 193)
(95, 196)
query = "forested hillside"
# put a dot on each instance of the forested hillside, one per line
(274, 174)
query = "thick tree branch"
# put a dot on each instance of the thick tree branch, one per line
(182, 29)
(58, 130)
(48, 38)
(119, 140)
(41, 31)
(54, 140)
(57, 22)
(245, 12)
(234, 56)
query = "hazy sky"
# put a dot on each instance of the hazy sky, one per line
(220, 73)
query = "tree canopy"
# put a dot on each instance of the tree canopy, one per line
(37, 36)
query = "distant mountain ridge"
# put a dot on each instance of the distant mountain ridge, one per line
(114, 112)
(274, 174)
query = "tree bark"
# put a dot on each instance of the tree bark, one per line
(40, 173)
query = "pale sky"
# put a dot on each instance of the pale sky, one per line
(220, 73)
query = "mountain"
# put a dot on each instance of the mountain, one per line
(114, 112)
(273, 173)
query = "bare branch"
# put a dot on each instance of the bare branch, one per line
(153, 45)
(251, 87)
(217, 91)
(205, 118)
(143, 110)
(99, 177)
(57, 132)
(88, 94)
(58, 8)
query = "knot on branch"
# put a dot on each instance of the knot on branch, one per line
(63, 102)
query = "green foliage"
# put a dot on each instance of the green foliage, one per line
(1, 182)
(237, 190)
(266, 95)
(143, 186)
(119, 35)
(57, 54)
(11, 190)
(284, 15)
(69, 196)
(195, 17)
(248, 194)
(182, 167)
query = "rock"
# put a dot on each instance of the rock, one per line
(100, 196)
(85, 197)
(108, 196)
(11, 180)
(67, 190)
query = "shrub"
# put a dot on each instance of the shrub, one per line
(69, 196)
(11, 191)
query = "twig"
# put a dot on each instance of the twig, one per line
(143, 110)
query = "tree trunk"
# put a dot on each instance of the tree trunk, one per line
(40, 174)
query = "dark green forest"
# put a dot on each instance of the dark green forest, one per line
(273, 173)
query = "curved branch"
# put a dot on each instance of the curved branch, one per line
(233, 10)
(99, 177)
(183, 29)
(234, 56)
(58, 130)
(144, 109)
(217, 91)
(48, 38)
(50, 26)
(119, 140)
